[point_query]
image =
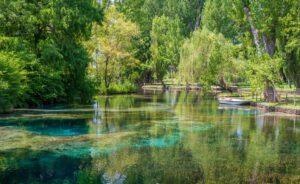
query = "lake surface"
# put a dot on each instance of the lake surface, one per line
(149, 138)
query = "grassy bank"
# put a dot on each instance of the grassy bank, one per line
(287, 100)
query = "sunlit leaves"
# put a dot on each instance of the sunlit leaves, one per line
(47, 36)
(261, 69)
(206, 58)
(12, 80)
(112, 49)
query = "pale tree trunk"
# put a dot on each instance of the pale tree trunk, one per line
(253, 29)
(198, 20)
(270, 93)
(106, 73)
(197, 23)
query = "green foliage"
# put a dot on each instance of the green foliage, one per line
(189, 13)
(115, 88)
(261, 69)
(113, 52)
(261, 30)
(143, 12)
(12, 81)
(290, 41)
(217, 18)
(166, 39)
(47, 37)
(206, 58)
(67, 53)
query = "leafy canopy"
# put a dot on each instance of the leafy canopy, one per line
(206, 58)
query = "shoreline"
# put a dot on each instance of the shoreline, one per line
(259, 105)
(265, 107)
(270, 108)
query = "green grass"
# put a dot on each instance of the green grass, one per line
(242, 85)
(286, 101)
(285, 87)
(285, 105)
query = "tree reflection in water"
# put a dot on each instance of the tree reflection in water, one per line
(161, 138)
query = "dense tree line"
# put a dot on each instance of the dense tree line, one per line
(42, 56)
(62, 51)
(262, 44)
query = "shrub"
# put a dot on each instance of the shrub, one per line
(12, 81)
(118, 89)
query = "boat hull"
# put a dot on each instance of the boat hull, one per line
(234, 102)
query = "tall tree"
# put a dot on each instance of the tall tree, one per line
(189, 13)
(217, 18)
(166, 38)
(111, 45)
(206, 58)
(263, 22)
(53, 31)
(290, 41)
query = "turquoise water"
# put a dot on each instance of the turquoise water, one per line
(149, 138)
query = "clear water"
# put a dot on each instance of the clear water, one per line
(149, 138)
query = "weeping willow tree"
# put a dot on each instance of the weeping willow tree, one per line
(207, 58)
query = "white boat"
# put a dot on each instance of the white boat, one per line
(234, 101)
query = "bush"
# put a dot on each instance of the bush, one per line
(118, 89)
(12, 81)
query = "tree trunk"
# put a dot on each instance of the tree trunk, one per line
(164, 85)
(269, 43)
(106, 73)
(283, 76)
(297, 83)
(223, 84)
(269, 46)
(289, 83)
(197, 24)
(198, 20)
(270, 93)
(254, 31)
